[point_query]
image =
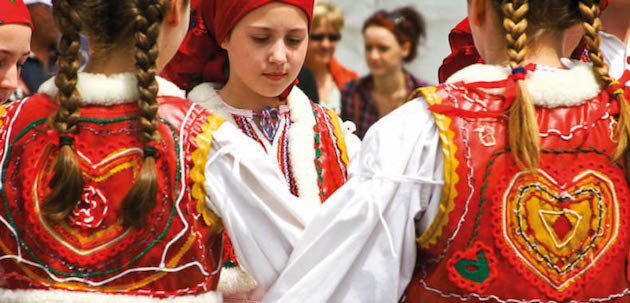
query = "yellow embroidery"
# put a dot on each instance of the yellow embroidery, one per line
(334, 119)
(3, 111)
(449, 193)
(199, 156)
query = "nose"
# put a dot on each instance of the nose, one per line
(279, 53)
(326, 42)
(9, 80)
(372, 54)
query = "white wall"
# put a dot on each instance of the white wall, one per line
(440, 15)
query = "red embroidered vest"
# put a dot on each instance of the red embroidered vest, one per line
(175, 254)
(502, 235)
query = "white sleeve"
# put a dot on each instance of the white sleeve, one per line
(248, 192)
(361, 246)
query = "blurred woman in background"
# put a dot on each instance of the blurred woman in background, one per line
(391, 40)
(329, 74)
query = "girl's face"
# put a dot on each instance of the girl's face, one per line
(173, 31)
(383, 52)
(322, 44)
(15, 45)
(266, 48)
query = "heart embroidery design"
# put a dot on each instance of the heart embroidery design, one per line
(473, 269)
(559, 232)
(93, 211)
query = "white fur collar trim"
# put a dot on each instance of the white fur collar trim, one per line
(548, 87)
(62, 296)
(100, 89)
(301, 150)
(301, 135)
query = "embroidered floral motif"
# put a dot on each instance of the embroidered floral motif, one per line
(91, 210)
(473, 269)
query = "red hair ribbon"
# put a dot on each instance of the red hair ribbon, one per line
(511, 90)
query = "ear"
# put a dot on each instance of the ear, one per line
(173, 15)
(406, 49)
(477, 11)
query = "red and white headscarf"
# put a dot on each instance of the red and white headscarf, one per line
(200, 57)
(14, 12)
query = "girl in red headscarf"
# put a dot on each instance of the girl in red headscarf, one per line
(256, 49)
(15, 46)
(507, 183)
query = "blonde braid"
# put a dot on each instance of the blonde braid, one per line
(523, 135)
(592, 25)
(67, 182)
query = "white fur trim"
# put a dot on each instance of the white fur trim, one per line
(100, 89)
(235, 280)
(205, 94)
(301, 135)
(547, 87)
(62, 296)
(301, 146)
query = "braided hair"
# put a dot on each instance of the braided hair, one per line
(522, 19)
(67, 182)
(107, 22)
(523, 134)
(592, 24)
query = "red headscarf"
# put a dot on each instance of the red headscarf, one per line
(14, 12)
(200, 57)
(464, 53)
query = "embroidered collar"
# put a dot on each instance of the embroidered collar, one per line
(301, 134)
(100, 89)
(548, 87)
(250, 114)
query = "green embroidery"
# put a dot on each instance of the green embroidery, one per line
(474, 270)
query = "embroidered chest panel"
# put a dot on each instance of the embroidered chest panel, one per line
(91, 249)
(509, 235)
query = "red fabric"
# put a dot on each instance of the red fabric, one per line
(486, 190)
(200, 57)
(14, 12)
(92, 239)
(463, 51)
(511, 90)
(340, 74)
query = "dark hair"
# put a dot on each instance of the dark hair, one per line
(106, 22)
(406, 23)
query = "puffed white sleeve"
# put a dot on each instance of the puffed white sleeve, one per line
(249, 193)
(361, 246)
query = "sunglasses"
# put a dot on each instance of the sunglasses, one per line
(321, 37)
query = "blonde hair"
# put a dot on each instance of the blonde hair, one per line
(592, 24)
(329, 12)
(523, 133)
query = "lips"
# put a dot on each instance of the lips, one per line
(275, 76)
